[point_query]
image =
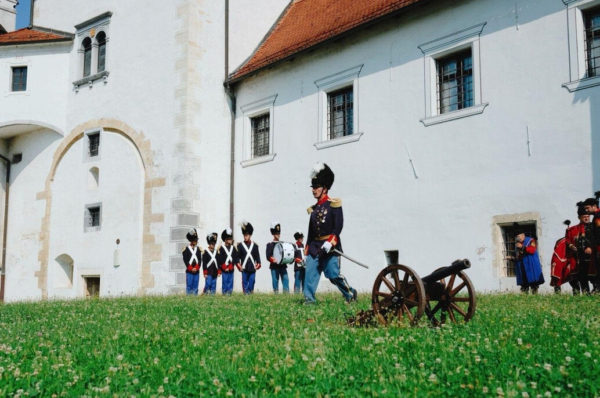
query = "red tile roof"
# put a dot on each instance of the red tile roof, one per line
(306, 23)
(33, 35)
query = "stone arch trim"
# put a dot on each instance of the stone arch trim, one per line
(151, 249)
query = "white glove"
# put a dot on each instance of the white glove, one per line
(326, 247)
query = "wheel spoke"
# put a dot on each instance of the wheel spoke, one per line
(408, 313)
(451, 282)
(458, 309)
(410, 303)
(453, 293)
(451, 314)
(460, 299)
(405, 279)
(388, 284)
(436, 308)
(384, 294)
(396, 279)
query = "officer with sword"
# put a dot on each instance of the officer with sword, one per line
(323, 246)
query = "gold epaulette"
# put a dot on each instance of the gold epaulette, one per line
(335, 202)
(309, 210)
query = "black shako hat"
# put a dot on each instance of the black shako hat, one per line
(321, 176)
(226, 234)
(275, 228)
(590, 202)
(581, 211)
(247, 228)
(211, 238)
(298, 235)
(192, 235)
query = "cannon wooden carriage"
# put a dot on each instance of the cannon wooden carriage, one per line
(400, 295)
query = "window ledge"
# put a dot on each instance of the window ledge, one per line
(582, 84)
(338, 141)
(91, 79)
(445, 117)
(258, 160)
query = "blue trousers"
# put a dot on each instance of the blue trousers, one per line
(299, 280)
(330, 266)
(227, 282)
(248, 279)
(278, 273)
(191, 282)
(210, 285)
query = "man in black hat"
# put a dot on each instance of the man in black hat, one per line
(324, 228)
(299, 262)
(210, 265)
(191, 258)
(248, 258)
(528, 267)
(591, 206)
(579, 251)
(278, 271)
(227, 257)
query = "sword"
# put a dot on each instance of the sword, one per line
(350, 258)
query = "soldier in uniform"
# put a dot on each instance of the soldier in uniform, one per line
(579, 251)
(191, 259)
(227, 257)
(324, 228)
(210, 266)
(299, 260)
(591, 206)
(278, 271)
(248, 258)
(528, 267)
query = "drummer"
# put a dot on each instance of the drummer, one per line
(278, 271)
(324, 228)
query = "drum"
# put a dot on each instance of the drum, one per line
(283, 252)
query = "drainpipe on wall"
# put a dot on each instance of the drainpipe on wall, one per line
(231, 94)
(5, 227)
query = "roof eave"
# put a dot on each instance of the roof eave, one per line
(25, 42)
(233, 81)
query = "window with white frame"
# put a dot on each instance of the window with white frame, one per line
(258, 126)
(509, 237)
(93, 37)
(19, 78)
(338, 108)
(453, 76)
(583, 24)
(504, 232)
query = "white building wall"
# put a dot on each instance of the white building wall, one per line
(46, 98)
(466, 171)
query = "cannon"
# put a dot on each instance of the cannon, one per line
(400, 295)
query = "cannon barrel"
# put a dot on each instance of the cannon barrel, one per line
(455, 267)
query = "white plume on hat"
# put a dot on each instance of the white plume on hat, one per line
(243, 223)
(316, 168)
(228, 231)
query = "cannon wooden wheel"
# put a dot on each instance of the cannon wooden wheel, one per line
(454, 300)
(398, 295)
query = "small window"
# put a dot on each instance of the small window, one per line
(93, 215)
(592, 42)
(455, 82)
(93, 144)
(340, 113)
(87, 56)
(101, 39)
(509, 233)
(19, 78)
(260, 135)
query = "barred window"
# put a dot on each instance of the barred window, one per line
(92, 217)
(19, 78)
(101, 39)
(592, 42)
(509, 233)
(94, 144)
(455, 82)
(340, 113)
(87, 56)
(260, 135)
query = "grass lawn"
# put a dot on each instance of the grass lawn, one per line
(271, 345)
